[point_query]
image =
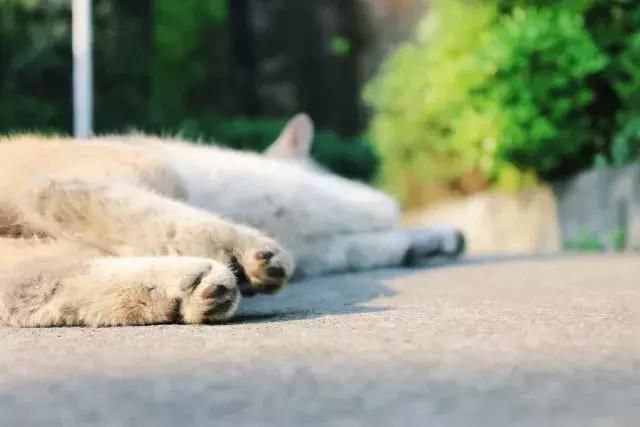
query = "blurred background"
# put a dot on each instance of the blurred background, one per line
(516, 120)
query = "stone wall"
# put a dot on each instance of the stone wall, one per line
(499, 223)
(603, 204)
(594, 209)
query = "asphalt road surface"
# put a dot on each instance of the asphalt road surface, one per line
(549, 341)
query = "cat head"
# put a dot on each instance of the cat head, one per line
(293, 146)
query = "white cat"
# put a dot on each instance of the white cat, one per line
(130, 230)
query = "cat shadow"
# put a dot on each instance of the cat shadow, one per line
(327, 295)
(351, 293)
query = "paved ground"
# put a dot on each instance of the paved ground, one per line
(538, 342)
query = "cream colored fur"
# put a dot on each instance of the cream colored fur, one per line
(124, 230)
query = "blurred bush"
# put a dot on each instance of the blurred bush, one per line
(425, 125)
(626, 144)
(31, 49)
(541, 59)
(514, 89)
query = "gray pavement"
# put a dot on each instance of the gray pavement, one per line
(549, 341)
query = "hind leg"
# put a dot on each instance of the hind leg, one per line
(376, 249)
(117, 291)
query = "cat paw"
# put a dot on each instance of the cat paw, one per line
(264, 267)
(435, 242)
(454, 244)
(210, 294)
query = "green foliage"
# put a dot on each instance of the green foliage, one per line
(340, 46)
(350, 157)
(542, 59)
(584, 242)
(626, 70)
(615, 27)
(188, 36)
(510, 88)
(626, 144)
(29, 50)
(619, 239)
(424, 126)
(600, 162)
(625, 77)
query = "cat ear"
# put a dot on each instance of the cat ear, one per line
(295, 139)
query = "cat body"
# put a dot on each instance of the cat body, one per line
(133, 229)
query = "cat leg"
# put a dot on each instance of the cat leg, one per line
(376, 249)
(117, 292)
(132, 221)
(351, 252)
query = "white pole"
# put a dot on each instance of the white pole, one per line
(82, 69)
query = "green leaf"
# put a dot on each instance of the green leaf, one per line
(340, 46)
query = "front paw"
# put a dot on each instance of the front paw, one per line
(263, 268)
(209, 294)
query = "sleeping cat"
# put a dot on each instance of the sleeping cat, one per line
(134, 230)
